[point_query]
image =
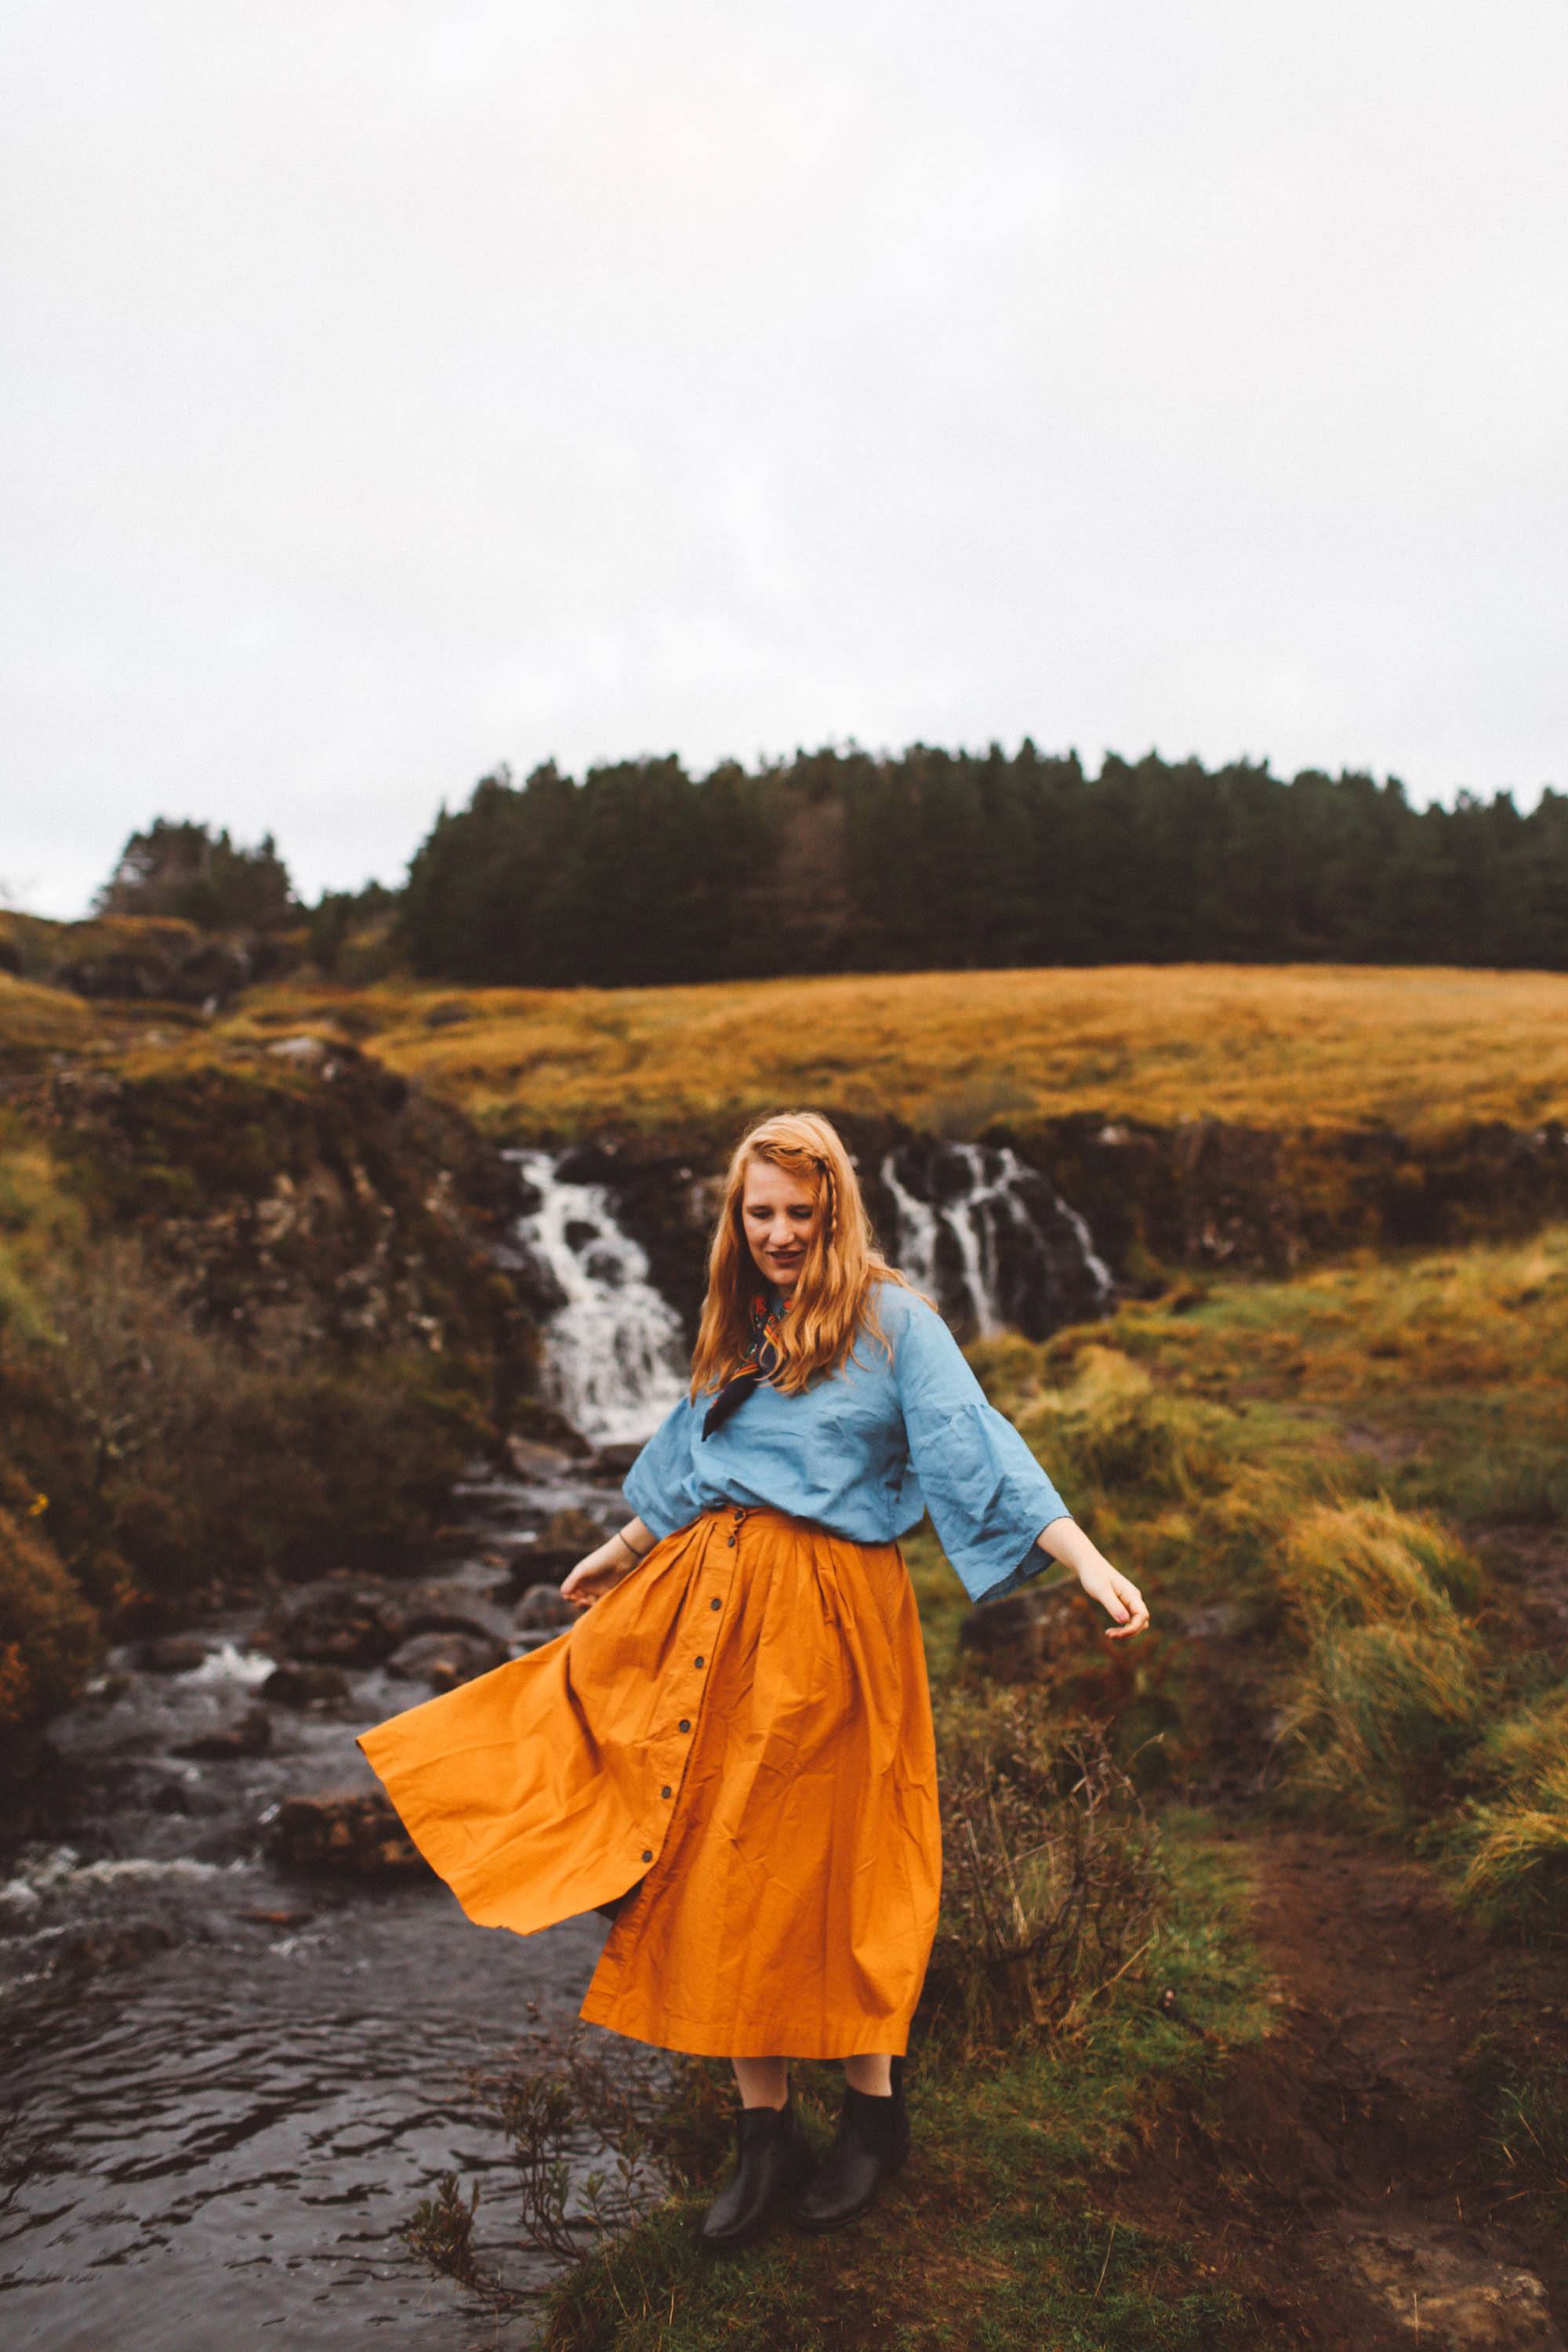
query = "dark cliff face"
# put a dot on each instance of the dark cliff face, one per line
(1203, 1194)
(1261, 1200)
(303, 1189)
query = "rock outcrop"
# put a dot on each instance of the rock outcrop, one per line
(354, 1831)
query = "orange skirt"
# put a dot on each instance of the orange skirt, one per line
(740, 1732)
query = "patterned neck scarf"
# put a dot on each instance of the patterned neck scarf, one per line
(761, 1360)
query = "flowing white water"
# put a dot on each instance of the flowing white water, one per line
(985, 1189)
(615, 1358)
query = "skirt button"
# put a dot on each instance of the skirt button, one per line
(685, 1726)
(648, 1853)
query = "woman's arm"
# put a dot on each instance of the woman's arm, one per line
(1066, 1541)
(599, 1571)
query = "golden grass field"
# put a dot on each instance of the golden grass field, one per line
(1334, 1045)
(1326, 1045)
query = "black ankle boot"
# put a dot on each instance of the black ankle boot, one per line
(774, 2157)
(873, 2141)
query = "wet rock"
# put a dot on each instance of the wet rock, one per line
(1212, 1621)
(533, 1458)
(303, 1685)
(251, 1735)
(354, 1831)
(360, 1620)
(339, 1622)
(563, 1540)
(86, 1951)
(438, 1608)
(172, 1654)
(615, 1461)
(173, 1797)
(444, 1660)
(1013, 1638)
(541, 1605)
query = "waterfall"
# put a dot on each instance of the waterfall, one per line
(614, 1357)
(991, 1239)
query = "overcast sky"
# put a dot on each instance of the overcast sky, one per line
(393, 388)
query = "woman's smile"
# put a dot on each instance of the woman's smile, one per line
(779, 1215)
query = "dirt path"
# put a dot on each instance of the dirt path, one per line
(1340, 2177)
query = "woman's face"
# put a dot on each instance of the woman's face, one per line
(778, 1216)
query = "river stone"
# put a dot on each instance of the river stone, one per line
(349, 1829)
(339, 1622)
(439, 1608)
(561, 1544)
(541, 1605)
(251, 1735)
(359, 1621)
(444, 1660)
(615, 1461)
(172, 1654)
(533, 1458)
(85, 1951)
(300, 1686)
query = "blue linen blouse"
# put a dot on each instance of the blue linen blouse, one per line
(864, 1451)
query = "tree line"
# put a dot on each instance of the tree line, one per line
(840, 860)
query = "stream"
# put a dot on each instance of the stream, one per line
(226, 2085)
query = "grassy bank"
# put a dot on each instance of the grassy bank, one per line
(998, 2237)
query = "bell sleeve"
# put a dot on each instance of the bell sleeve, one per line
(659, 1484)
(987, 1495)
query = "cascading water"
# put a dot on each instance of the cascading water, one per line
(991, 1239)
(614, 1357)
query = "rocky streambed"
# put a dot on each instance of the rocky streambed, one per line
(237, 2011)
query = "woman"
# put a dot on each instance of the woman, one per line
(732, 1750)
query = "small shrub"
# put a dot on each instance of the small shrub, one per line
(1051, 1881)
(178, 1459)
(48, 1633)
(599, 2141)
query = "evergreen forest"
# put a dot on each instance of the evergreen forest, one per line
(842, 861)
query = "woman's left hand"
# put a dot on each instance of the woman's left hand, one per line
(1118, 1596)
(1066, 1541)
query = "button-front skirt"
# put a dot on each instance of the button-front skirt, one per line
(740, 1731)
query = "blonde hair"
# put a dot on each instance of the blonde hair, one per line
(834, 1295)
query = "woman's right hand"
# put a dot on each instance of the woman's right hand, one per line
(596, 1573)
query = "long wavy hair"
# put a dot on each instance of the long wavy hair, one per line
(834, 1293)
